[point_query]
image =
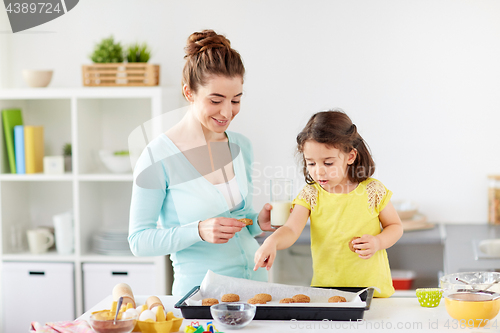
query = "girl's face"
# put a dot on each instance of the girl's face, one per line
(328, 166)
(216, 103)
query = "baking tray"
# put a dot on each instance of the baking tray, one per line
(287, 312)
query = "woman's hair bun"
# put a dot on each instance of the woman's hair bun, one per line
(207, 54)
(207, 39)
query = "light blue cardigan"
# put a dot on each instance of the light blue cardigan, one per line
(171, 191)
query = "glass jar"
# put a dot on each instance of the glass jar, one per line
(494, 199)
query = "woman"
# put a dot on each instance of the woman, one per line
(195, 179)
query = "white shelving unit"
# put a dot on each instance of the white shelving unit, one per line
(90, 119)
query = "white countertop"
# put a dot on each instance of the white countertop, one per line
(394, 314)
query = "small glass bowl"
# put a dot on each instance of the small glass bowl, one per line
(429, 297)
(101, 325)
(233, 315)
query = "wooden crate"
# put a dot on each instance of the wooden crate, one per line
(121, 75)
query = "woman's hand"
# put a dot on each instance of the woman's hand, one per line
(219, 230)
(265, 255)
(366, 246)
(265, 218)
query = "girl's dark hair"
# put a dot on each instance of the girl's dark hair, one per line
(208, 53)
(335, 129)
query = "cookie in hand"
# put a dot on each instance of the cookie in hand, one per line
(246, 221)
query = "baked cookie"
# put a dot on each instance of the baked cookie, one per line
(265, 297)
(336, 299)
(230, 298)
(301, 298)
(209, 301)
(351, 245)
(246, 221)
(256, 301)
(286, 300)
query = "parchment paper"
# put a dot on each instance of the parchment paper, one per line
(215, 285)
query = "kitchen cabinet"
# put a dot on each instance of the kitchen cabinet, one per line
(36, 292)
(90, 119)
(100, 278)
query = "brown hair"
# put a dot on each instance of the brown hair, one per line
(208, 53)
(335, 129)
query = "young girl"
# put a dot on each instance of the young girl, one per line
(342, 202)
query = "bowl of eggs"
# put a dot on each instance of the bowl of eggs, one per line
(147, 318)
(153, 319)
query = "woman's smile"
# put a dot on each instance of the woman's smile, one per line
(220, 122)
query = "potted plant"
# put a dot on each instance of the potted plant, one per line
(68, 166)
(107, 51)
(110, 70)
(138, 53)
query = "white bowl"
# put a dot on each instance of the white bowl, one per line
(406, 209)
(37, 78)
(115, 163)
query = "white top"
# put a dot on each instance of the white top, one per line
(231, 193)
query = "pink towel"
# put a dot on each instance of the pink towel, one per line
(77, 326)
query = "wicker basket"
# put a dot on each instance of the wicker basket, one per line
(121, 75)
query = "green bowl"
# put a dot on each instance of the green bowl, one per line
(429, 297)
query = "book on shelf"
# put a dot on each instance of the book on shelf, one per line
(19, 149)
(33, 148)
(10, 119)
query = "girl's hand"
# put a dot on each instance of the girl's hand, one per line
(265, 218)
(366, 246)
(219, 230)
(265, 255)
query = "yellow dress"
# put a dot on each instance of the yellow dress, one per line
(335, 219)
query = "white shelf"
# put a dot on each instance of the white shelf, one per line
(91, 119)
(85, 92)
(36, 177)
(50, 256)
(53, 256)
(106, 177)
(94, 257)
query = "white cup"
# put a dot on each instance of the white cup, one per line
(281, 200)
(39, 240)
(63, 224)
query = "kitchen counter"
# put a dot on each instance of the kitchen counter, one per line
(386, 314)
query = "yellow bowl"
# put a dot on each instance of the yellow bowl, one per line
(476, 308)
(176, 324)
(170, 325)
(155, 327)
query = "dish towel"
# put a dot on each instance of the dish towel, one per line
(77, 326)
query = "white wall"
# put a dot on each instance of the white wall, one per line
(421, 79)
